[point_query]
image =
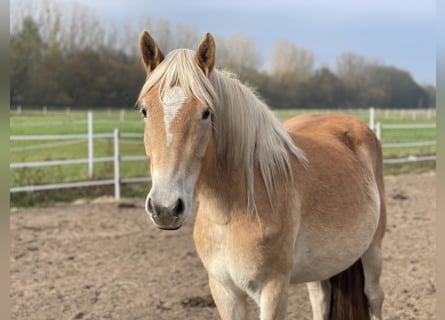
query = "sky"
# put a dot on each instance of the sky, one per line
(401, 33)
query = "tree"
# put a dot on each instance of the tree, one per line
(429, 95)
(238, 53)
(163, 34)
(186, 37)
(371, 83)
(326, 90)
(67, 56)
(26, 58)
(351, 67)
(289, 61)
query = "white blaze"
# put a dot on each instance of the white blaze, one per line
(172, 101)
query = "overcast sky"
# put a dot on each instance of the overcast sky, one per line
(396, 32)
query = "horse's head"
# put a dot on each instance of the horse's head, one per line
(178, 125)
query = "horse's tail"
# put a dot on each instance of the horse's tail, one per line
(348, 300)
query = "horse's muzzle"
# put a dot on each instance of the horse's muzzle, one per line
(166, 217)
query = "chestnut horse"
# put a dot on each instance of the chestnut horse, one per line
(274, 204)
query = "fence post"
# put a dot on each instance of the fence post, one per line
(117, 186)
(371, 117)
(122, 115)
(90, 144)
(378, 130)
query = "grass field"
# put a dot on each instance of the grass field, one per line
(75, 122)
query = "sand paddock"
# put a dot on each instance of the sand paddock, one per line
(105, 260)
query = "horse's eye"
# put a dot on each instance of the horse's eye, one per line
(206, 114)
(144, 112)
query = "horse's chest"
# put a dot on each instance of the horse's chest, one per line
(228, 260)
(230, 272)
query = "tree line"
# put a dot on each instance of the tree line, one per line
(69, 58)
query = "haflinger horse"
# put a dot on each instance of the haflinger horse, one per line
(275, 204)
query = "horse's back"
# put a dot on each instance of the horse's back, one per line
(343, 129)
(346, 129)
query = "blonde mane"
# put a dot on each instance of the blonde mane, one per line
(247, 134)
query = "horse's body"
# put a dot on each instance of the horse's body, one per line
(275, 205)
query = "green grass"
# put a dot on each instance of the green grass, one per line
(57, 123)
(60, 123)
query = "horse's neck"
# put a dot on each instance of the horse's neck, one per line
(220, 191)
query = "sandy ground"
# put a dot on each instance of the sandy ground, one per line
(106, 260)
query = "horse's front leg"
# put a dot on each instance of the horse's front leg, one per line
(231, 302)
(273, 303)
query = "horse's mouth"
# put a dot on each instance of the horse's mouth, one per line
(169, 228)
(169, 224)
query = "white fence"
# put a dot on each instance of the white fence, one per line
(117, 158)
(412, 158)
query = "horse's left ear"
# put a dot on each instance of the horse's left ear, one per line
(205, 53)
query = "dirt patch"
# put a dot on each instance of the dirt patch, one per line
(107, 261)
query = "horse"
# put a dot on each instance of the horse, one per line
(274, 204)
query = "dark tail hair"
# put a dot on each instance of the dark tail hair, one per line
(348, 300)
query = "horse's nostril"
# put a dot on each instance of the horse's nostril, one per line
(150, 206)
(165, 212)
(179, 207)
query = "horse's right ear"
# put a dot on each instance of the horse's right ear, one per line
(150, 53)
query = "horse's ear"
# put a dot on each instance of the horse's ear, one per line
(205, 53)
(150, 53)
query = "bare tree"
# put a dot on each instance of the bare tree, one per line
(163, 34)
(186, 37)
(239, 53)
(84, 29)
(19, 11)
(289, 60)
(129, 34)
(71, 25)
(354, 69)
